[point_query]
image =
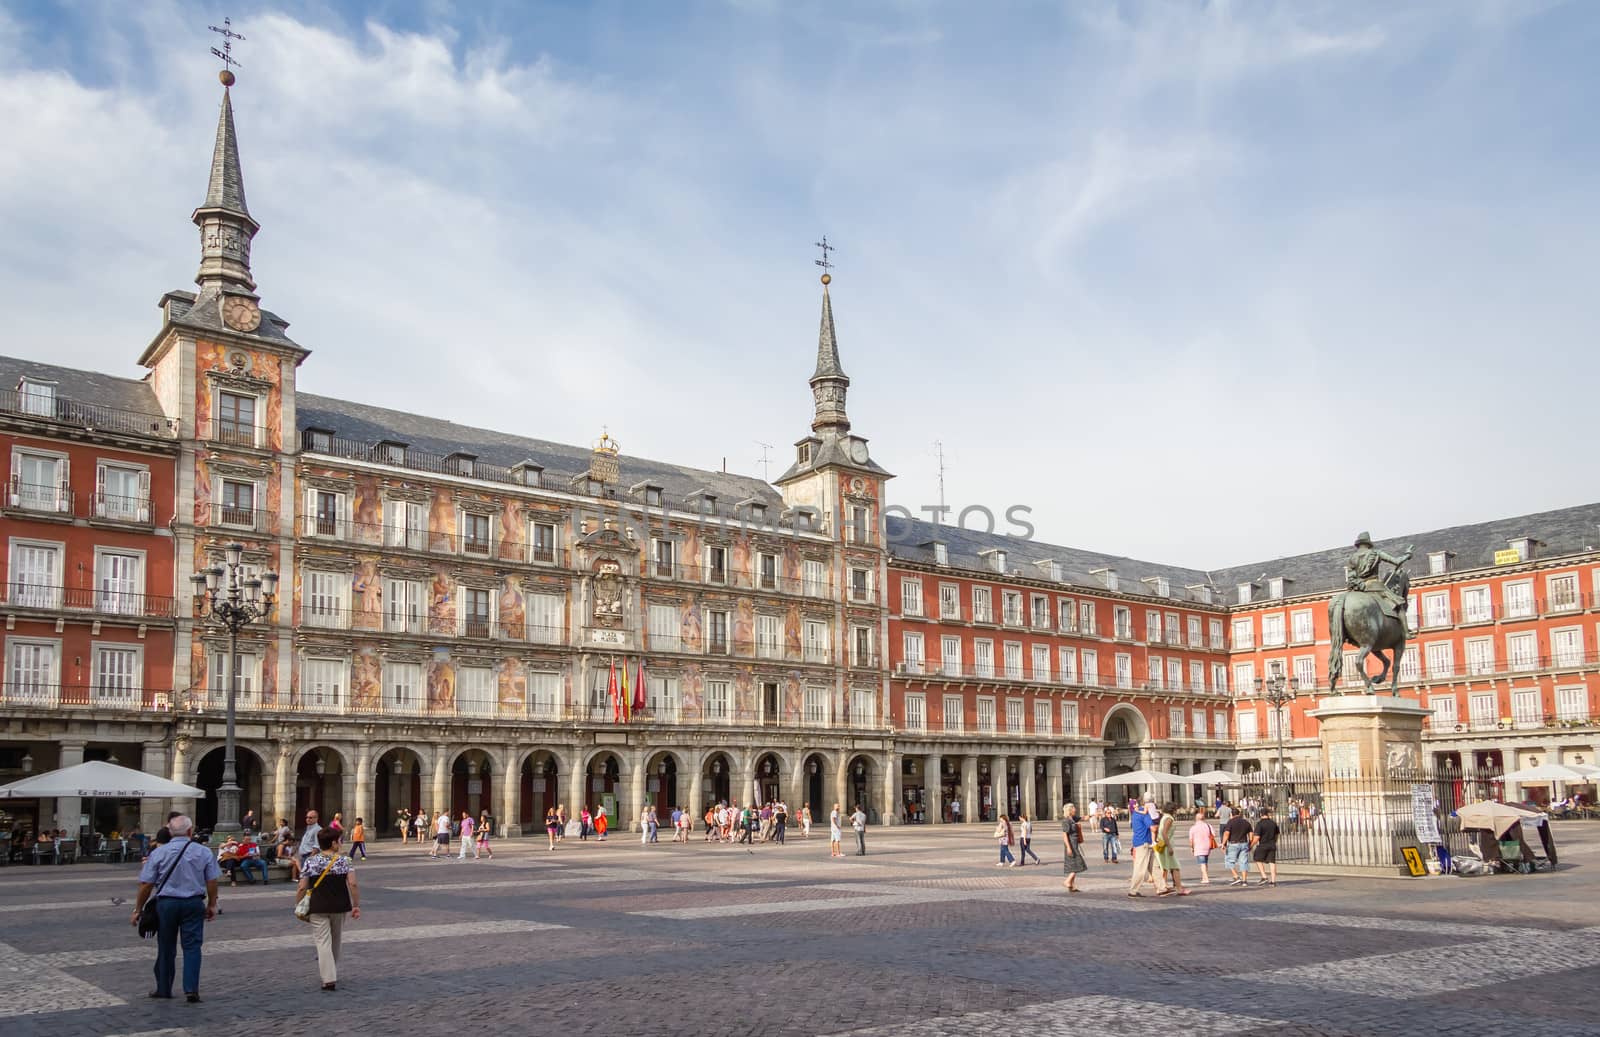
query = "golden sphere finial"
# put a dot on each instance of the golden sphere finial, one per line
(827, 279)
(226, 77)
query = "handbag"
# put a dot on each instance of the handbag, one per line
(149, 921)
(302, 906)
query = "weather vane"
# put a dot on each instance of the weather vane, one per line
(825, 262)
(226, 53)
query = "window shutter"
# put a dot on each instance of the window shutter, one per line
(144, 496)
(310, 525)
(390, 526)
(100, 490)
(461, 610)
(14, 492)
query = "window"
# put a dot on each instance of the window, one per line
(1219, 723)
(1519, 600)
(324, 600)
(816, 705)
(1122, 622)
(910, 597)
(769, 635)
(1480, 656)
(1275, 587)
(953, 713)
(716, 563)
(1413, 616)
(1152, 627)
(1197, 676)
(1566, 646)
(244, 670)
(402, 684)
(1091, 667)
(1244, 593)
(32, 671)
(35, 575)
(1014, 716)
(1441, 657)
(941, 554)
(814, 577)
(1244, 678)
(986, 715)
(1246, 722)
(475, 533)
(1013, 660)
(1069, 718)
(1475, 606)
(661, 698)
(1444, 712)
(860, 585)
(475, 691)
(389, 452)
(665, 630)
(1438, 563)
(1483, 710)
(37, 398)
(546, 618)
(322, 684)
(327, 512)
(1572, 704)
(1199, 718)
(950, 655)
(1244, 634)
(122, 493)
(1305, 672)
(236, 419)
(1436, 610)
(863, 708)
(949, 601)
(665, 559)
(117, 676)
(814, 640)
(405, 602)
(1040, 609)
(1011, 604)
(1041, 662)
(1526, 709)
(858, 528)
(1562, 592)
(1272, 630)
(1067, 616)
(1275, 723)
(1042, 718)
(916, 713)
(1522, 650)
(716, 632)
(1174, 629)
(238, 503)
(544, 695)
(1175, 724)
(1124, 665)
(1156, 672)
(913, 653)
(119, 582)
(1219, 678)
(861, 638)
(39, 482)
(1410, 669)
(1067, 663)
(405, 524)
(717, 701)
(477, 616)
(1216, 634)
(983, 658)
(767, 571)
(982, 605)
(1195, 638)
(1301, 629)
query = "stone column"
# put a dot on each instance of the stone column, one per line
(180, 767)
(1090, 768)
(510, 805)
(365, 800)
(697, 790)
(441, 780)
(893, 789)
(797, 793)
(578, 789)
(933, 789)
(1029, 786)
(841, 784)
(1186, 767)
(282, 788)
(153, 812)
(997, 784)
(1053, 789)
(970, 809)
(636, 792)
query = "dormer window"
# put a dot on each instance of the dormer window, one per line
(1160, 586)
(319, 440)
(803, 453)
(1275, 587)
(389, 451)
(652, 496)
(1200, 593)
(758, 512)
(1439, 562)
(941, 554)
(1107, 577)
(996, 559)
(1245, 593)
(460, 464)
(1524, 546)
(528, 473)
(36, 397)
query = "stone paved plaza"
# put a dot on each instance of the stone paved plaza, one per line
(923, 937)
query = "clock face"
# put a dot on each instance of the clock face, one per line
(858, 451)
(241, 314)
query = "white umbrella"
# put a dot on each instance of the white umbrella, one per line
(1144, 778)
(1546, 772)
(1216, 778)
(1497, 817)
(98, 779)
(1586, 769)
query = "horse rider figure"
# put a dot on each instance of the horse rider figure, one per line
(1362, 573)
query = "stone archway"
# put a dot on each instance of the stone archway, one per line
(472, 775)
(666, 786)
(813, 782)
(717, 779)
(319, 784)
(862, 783)
(541, 774)
(396, 785)
(604, 786)
(769, 777)
(250, 774)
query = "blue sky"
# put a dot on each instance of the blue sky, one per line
(1136, 265)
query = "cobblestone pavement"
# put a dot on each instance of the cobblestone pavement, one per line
(922, 938)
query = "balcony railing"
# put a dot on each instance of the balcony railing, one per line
(45, 498)
(87, 599)
(232, 432)
(89, 416)
(111, 508)
(990, 673)
(1449, 725)
(233, 516)
(36, 695)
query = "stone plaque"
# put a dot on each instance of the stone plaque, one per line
(239, 731)
(1344, 759)
(608, 637)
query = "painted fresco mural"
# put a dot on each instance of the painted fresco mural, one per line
(366, 680)
(513, 617)
(441, 682)
(511, 685)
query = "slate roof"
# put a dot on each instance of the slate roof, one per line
(130, 394)
(201, 312)
(828, 365)
(225, 188)
(562, 462)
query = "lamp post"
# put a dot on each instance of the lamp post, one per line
(1279, 692)
(225, 599)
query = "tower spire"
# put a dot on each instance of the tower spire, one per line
(829, 384)
(226, 227)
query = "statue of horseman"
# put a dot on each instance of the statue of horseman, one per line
(1370, 615)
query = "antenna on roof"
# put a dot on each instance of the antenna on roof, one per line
(764, 462)
(938, 446)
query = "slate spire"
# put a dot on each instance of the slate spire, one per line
(829, 385)
(226, 227)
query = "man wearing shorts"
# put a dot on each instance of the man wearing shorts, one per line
(1236, 837)
(441, 835)
(1265, 838)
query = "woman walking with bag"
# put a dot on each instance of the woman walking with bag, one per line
(328, 892)
(1072, 862)
(1025, 843)
(1002, 834)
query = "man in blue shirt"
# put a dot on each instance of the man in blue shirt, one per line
(186, 874)
(1142, 818)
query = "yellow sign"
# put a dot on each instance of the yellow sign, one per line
(1511, 556)
(1414, 863)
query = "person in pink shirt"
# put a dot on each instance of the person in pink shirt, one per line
(1202, 840)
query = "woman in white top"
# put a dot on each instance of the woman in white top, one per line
(835, 832)
(805, 820)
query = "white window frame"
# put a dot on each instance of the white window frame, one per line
(119, 507)
(950, 655)
(404, 688)
(982, 604)
(546, 614)
(1016, 716)
(814, 640)
(1040, 662)
(129, 697)
(1069, 719)
(52, 498)
(312, 523)
(953, 707)
(405, 524)
(913, 660)
(248, 665)
(1043, 717)
(39, 685)
(916, 718)
(257, 406)
(719, 700)
(484, 704)
(329, 608)
(986, 715)
(910, 596)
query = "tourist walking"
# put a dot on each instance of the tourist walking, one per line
(466, 826)
(358, 840)
(1202, 840)
(404, 820)
(550, 825)
(1236, 839)
(183, 879)
(858, 821)
(1142, 820)
(780, 822)
(805, 820)
(1265, 841)
(585, 823)
(308, 838)
(419, 824)
(600, 824)
(337, 824)
(1072, 863)
(1110, 841)
(1167, 853)
(1025, 842)
(561, 822)
(329, 880)
(441, 835)
(1002, 833)
(835, 834)
(485, 830)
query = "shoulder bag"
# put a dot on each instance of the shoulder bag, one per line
(302, 906)
(149, 921)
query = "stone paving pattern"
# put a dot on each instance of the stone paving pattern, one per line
(923, 938)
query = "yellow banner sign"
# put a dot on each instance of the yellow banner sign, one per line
(1508, 557)
(1414, 863)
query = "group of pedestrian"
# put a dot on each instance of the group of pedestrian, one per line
(474, 835)
(858, 825)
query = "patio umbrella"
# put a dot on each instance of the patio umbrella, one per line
(1586, 769)
(1215, 778)
(1546, 772)
(1144, 778)
(1496, 817)
(98, 779)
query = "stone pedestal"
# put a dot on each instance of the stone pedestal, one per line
(1371, 753)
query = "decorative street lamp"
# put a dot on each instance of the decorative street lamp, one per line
(225, 599)
(1279, 692)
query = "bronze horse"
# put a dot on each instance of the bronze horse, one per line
(1357, 618)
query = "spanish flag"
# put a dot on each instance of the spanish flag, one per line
(611, 690)
(627, 696)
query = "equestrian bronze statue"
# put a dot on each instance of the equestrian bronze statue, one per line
(1370, 615)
